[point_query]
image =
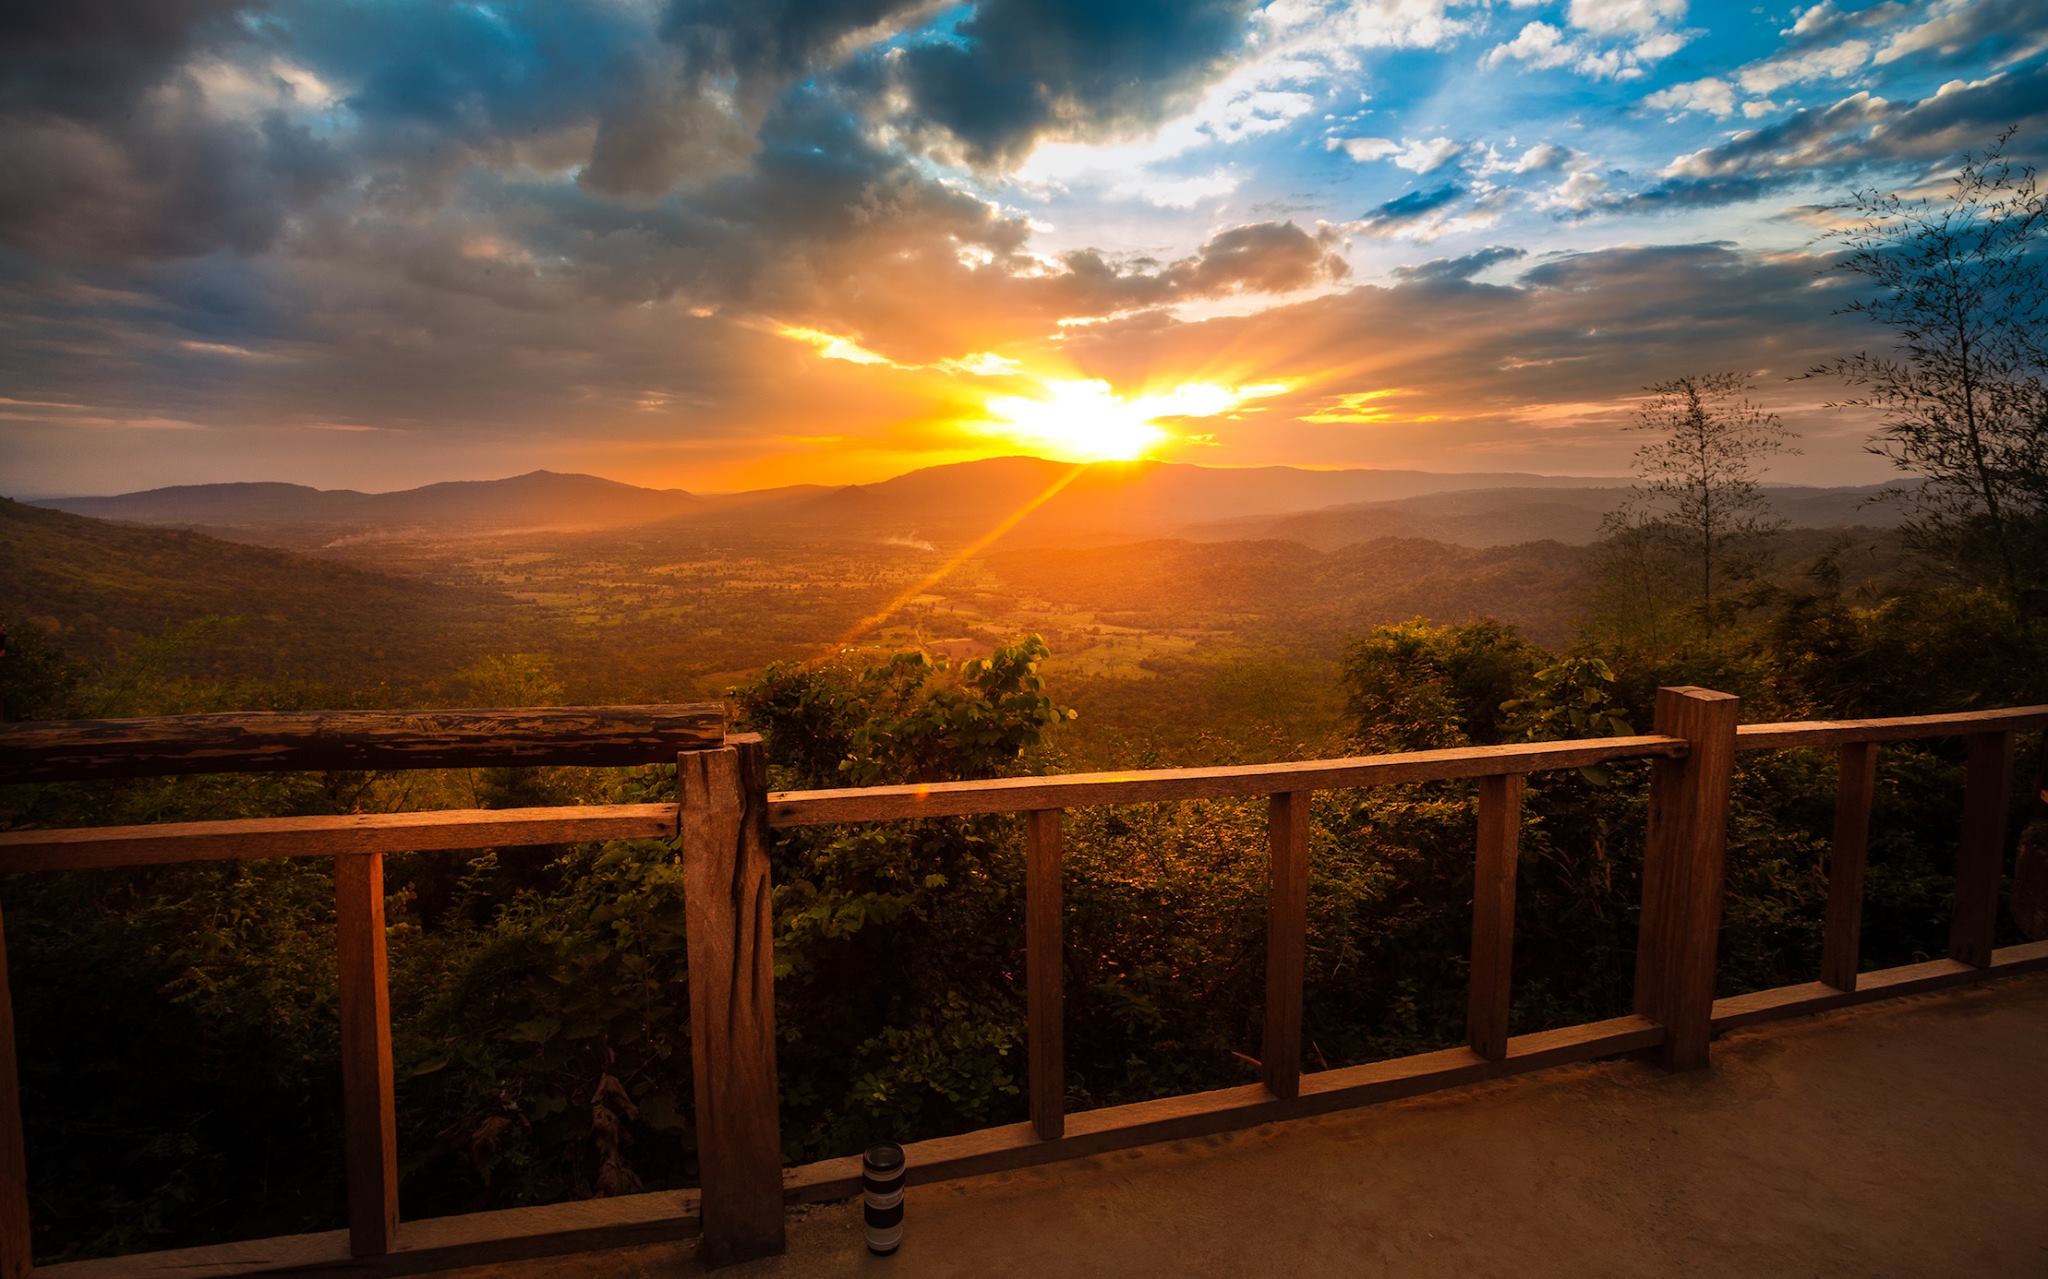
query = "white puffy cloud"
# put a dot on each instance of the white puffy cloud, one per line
(1711, 96)
(1541, 46)
(1624, 17)
(1831, 62)
(1417, 155)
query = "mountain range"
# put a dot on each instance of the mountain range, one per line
(1045, 503)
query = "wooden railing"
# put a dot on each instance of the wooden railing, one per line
(724, 815)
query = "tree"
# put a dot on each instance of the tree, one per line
(1696, 493)
(1962, 284)
(1413, 686)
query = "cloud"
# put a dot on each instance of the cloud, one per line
(1616, 40)
(1446, 270)
(1540, 373)
(1265, 257)
(2000, 32)
(1831, 62)
(1429, 214)
(1544, 157)
(1417, 155)
(1858, 134)
(1363, 150)
(1262, 257)
(1712, 95)
(1624, 17)
(1017, 70)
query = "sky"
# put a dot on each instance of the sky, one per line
(726, 244)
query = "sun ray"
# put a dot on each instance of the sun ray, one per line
(952, 565)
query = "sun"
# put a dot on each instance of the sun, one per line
(1085, 420)
(1076, 421)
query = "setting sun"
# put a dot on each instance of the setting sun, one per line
(1077, 421)
(1085, 420)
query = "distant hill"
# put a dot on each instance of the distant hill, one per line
(1508, 515)
(1108, 500)
(1103, 500)
(1034, 501)
(100, 587)
(310, 516)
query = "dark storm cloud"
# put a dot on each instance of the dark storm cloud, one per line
(107, 150)
(169, 182)
(1019, 69)
(92, 58)
(1443, 270)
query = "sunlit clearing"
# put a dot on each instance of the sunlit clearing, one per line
(1084, 420)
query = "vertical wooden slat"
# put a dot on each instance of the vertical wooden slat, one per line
(1286, 942)
(369, 1115)
(1683, 859)
(1493, 915)
(1841, 953)
(730, 940)
(1980, 858)
(1044, 973)
(15, 1241)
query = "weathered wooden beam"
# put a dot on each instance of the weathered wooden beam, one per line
(164, 843)
(1286, 941)
(1980, 856)
(272, 741)
(1898, 728)
(1493, 915)
(729, 936)
(369, 1111)
(1855, 786)
(15, 1241)
(1683, 858)
(1045, 973)
(1157, 786)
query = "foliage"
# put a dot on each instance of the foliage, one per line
(1960, 284)
(1697, 494)
(1413, 686)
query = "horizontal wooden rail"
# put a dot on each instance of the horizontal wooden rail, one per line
(1093, 1132)
(294, 741)
(1072, 790)
(1837, 732)
(1885, 983)
(164, 843)
(428, 1245)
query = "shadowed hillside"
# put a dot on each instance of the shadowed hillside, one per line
(295, 515)
(100, 587)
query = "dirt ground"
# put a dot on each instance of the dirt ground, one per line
(1908, 1138)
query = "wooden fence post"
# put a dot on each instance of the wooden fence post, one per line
(1493, 915)
(15, 1241)
(729, 936)
(1980, 857)
(1286, 942)
(1683, 858)
(1841, 955)
(369, 1114)
(1044, 974)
